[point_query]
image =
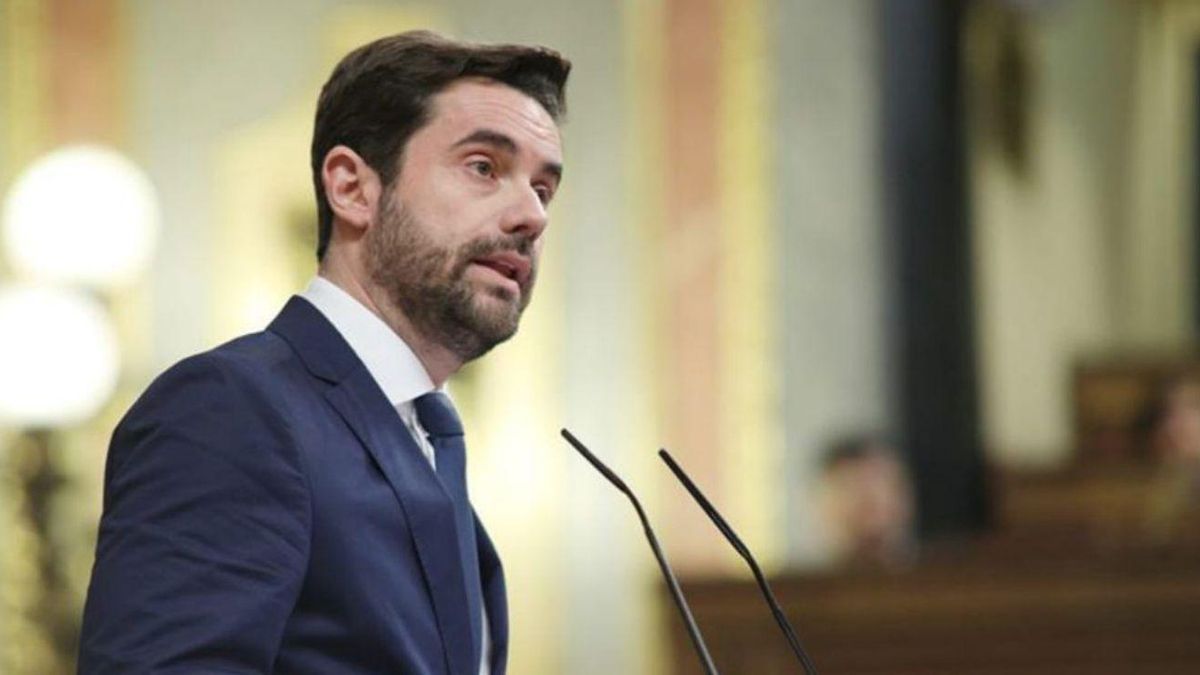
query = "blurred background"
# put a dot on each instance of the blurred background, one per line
(909, 287)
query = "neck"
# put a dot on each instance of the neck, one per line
(439, 362)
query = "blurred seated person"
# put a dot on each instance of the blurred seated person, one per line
(867, 505)
(1170, 431)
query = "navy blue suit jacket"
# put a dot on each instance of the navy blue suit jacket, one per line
(266, 510)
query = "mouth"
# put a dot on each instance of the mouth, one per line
(511, 266)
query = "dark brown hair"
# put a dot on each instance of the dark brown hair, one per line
(378, 97)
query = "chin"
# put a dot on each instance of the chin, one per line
(503, 294)
(497, 300)
(497, 316)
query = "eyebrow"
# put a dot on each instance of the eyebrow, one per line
(504, 142)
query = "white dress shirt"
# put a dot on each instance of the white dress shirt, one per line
(393, 365)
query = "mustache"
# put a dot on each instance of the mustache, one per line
(479, 248)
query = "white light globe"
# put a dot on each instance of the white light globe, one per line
(81, 214)
(59, 358)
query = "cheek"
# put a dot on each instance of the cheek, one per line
(433, 199)
(536, 253)
(455, 222)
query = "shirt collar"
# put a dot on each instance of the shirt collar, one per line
(387, 357)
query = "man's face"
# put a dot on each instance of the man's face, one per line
(457, 238)
(1179, 432)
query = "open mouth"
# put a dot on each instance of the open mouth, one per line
(508, 265)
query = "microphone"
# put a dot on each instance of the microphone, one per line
(743, 551)
(676, 594)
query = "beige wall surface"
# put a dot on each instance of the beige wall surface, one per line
(1044, 234)
(833, 293)
(1084, 251)
(6, 164)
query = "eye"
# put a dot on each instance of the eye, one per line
(544, 193)
(482, 167)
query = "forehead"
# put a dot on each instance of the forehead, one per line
(471, 104)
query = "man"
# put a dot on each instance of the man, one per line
(295, 501)
(867, 503)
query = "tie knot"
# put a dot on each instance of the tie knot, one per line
(436, 413)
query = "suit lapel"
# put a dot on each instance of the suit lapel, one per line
(427, 508)
(495, 598)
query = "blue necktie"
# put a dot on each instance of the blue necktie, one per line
(437, 415)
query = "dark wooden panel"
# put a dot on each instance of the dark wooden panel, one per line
(988, 612)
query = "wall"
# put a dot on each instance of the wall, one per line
(1051, 237)
(832, 258)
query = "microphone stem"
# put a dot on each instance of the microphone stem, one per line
(676, 593)
(744, 552)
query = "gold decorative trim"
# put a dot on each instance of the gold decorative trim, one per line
(644, 75)
(750, 430)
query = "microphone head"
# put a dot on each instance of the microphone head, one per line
(595, 461)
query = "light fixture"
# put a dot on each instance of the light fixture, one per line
(82, 214)
(59, 357)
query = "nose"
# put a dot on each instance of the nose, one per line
(525, 215)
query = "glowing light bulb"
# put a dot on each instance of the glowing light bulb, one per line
(81, 214)
(59, 358)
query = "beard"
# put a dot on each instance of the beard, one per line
(428, 283)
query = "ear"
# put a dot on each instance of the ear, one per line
(352, 187)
